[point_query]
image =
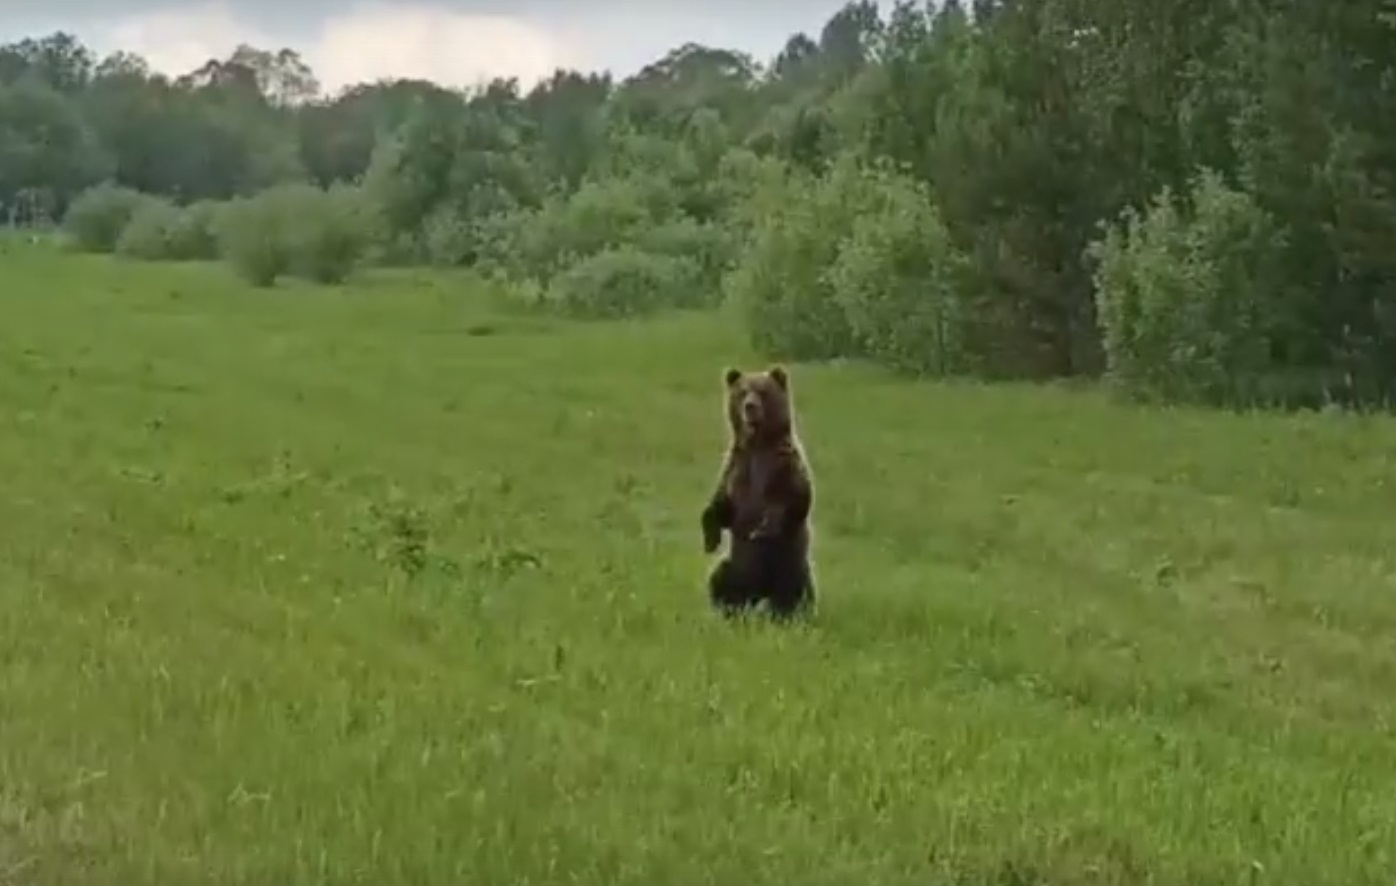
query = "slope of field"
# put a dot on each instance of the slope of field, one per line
(374, 585)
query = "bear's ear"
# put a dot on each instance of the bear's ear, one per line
(780, 376)
(732, 376)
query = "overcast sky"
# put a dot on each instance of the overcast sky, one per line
(457, 42)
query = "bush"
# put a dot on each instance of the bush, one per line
(147, 232)
(253, 237)
(296, 229)
(901, 282)
(195, 236)
(853, 263)
(600, 216)
(703, 251)
(329, 232)
(1186, 296)
(620, 282)
(748, 185)
(500, 243)
(446, 239)
(781, 285)
(162, 231)
(97, 217)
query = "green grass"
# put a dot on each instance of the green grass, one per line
(373, 585)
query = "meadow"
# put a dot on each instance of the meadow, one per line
(383, 584)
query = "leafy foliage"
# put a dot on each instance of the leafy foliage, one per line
(624, 281)
(781, 285)
(327, 231)
(159, 230)
(254, 236)
(1186, 291)
(901, 282)
(98, 217)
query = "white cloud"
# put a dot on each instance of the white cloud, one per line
(362, 44)
(178, 42)
(433, 44)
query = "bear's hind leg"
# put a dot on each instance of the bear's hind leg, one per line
(730, 595)
(792, 592)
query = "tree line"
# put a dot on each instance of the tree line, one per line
(1191, 199)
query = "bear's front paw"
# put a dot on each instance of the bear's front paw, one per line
(711, 539)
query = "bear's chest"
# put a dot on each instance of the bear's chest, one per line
(749, 487)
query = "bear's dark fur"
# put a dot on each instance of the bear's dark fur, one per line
(764, 497)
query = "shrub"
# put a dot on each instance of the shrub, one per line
(620, 282)
(195, 235)
(856, 262)
(703, 252)
(1186, 295)
(97, 217)
(780, 285)
(162, 231)
(449, 240)
(329, 231)
(296, 229)
(253, 237)
(146, 233)
(500, 243)
(901, 282)
(748, 186)
(602, 215)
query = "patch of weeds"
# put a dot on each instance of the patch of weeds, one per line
(279, 482)
(401, 535)
(506, 561)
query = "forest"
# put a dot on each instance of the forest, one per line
(1190, 201)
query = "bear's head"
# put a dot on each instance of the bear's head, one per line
(758, 404)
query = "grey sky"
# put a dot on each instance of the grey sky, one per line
(456, 41)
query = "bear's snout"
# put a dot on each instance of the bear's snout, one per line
(752, 411)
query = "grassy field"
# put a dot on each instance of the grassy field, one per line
(376, 586)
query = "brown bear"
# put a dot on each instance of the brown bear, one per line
(764, 497)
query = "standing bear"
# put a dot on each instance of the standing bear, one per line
(764, 498)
